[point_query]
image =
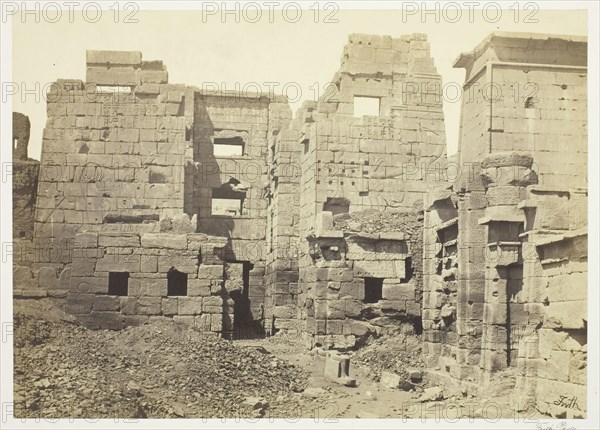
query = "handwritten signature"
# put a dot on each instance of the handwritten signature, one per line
(558, 426)
(566, 402)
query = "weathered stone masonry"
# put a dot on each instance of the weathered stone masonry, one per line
(506, 245)
(221, 211)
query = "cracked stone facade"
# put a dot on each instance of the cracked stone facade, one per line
(224, 212)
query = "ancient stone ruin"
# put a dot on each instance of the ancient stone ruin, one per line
(220, 210)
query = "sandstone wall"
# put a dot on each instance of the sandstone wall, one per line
(147, 259)
(359, 163)
(519, 192)
(110, 159)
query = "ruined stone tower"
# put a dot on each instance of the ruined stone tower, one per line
(495, 297)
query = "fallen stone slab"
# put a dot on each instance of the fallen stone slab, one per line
(432, 394)
(393, 380)
(390, 379)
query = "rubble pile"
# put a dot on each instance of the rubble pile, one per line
(394, 354)
(154, 370)
(375, 221)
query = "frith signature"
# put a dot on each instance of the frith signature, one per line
(566, 402)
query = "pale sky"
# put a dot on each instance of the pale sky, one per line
(300, 53)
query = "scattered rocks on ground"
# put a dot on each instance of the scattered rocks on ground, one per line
(154, 370)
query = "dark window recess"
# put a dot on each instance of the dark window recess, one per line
(176, 283)
(118, 283)
(228, 146)
(306, 144)
(409, 271)
(373, 290)
(337, 205)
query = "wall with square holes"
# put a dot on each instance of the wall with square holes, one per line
(127, 279)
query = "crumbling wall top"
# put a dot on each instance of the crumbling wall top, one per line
(528, 48)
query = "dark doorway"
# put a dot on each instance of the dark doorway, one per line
(373, 290)
(118, 283)
(176, 283)
(245, 324)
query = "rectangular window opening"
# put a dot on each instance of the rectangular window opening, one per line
(227, 206)
(118, 283)
(373, 290)
(337, 205)
(228, 146)
(176, 283)
(306, 145)
(366, 106)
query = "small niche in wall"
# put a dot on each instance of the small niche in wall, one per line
(176, 283)
(409, 270)
(366, 106)
(306, 145)
(373, 290)
(118, 283)
(337, 205)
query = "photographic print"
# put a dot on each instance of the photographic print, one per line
(322, 214)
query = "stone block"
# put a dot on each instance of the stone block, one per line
(80, 303)
(353, 308)
(214, 301)
(149, 263)
(336, 309)
(87, 284)
(390, 379)
(185, 263)
(379, 269)
(86, 240)
(566, 315)
(114, 58)
(289, 311)
(199, 287)
(202, 322)
(354, 289)
(190, 305)
(398, 291)
(129, 305)
(84, 267)
(149, 305)
(164, 241)
(126, 76)
(216, 323)
(185, 320)
(118, 263)
(148, 287)
(107, 303)
(119, 240)
(169, 306)
(210, 271)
